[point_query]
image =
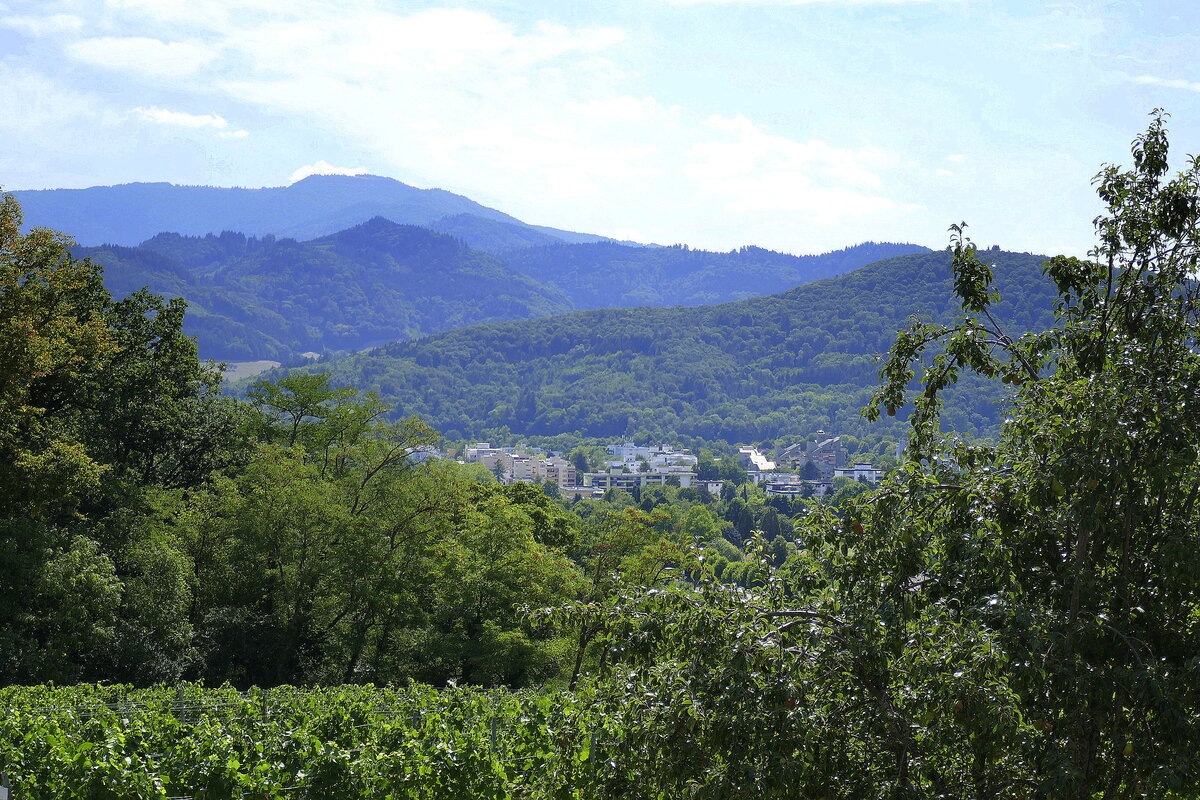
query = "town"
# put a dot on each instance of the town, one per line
(805, 469)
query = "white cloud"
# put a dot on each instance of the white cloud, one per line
(43, 26)
(534, 118)
(162, 116)
(324, 168)
(620, 108)
(956, 158)
(182, 119)
(143, 55)
(1169, 83)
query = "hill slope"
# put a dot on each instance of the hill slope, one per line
(316, 206)
(741, 371)
(252, 298)
(607, 275)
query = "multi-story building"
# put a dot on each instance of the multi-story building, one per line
(517, 467)
(825, 449)
(558, 470)
(634, 456)
(755, 463)
(628, 480)
(866, 472)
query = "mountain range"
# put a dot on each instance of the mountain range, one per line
(315, 206)
(270, 296)
(487, 326)
(267, 298)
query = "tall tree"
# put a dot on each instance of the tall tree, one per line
(99, 402)
(1008, 619)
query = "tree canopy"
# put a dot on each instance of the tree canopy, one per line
(1013, 619)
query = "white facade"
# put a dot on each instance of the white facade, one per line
(866, 472)
(754, 461)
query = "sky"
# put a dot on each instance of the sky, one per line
(796, 125)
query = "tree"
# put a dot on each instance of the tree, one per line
(1059, 565)
(1008, 619)
(101, 402)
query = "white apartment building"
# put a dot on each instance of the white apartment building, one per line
(867, 472)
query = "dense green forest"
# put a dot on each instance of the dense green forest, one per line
(1007, 618)
(609, 275)
(155, 529)
(746, 371)
(254, 298)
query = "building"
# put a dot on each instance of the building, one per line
(754, 462)
(517, 467)
(826, 449)
(860, 471)
(638, 458)
(581, 492)
(627, 480)
(557, 470)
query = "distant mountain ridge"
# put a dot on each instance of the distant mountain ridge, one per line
(315, 206)
(270, 298)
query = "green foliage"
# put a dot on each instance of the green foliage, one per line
(1008, 619)
(274, 298)
(346, 742)
(770, 367)
(101, 402)
(610, 275)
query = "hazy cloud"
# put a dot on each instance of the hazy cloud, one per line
(143, 55)
(1169, 83)
(751, 170)
(460, 98)
(43, 26)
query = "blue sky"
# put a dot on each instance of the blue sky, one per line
(799, 125)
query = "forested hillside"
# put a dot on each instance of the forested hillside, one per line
(741, 371)
(253, 298)
(258, 298)
(607, 275)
